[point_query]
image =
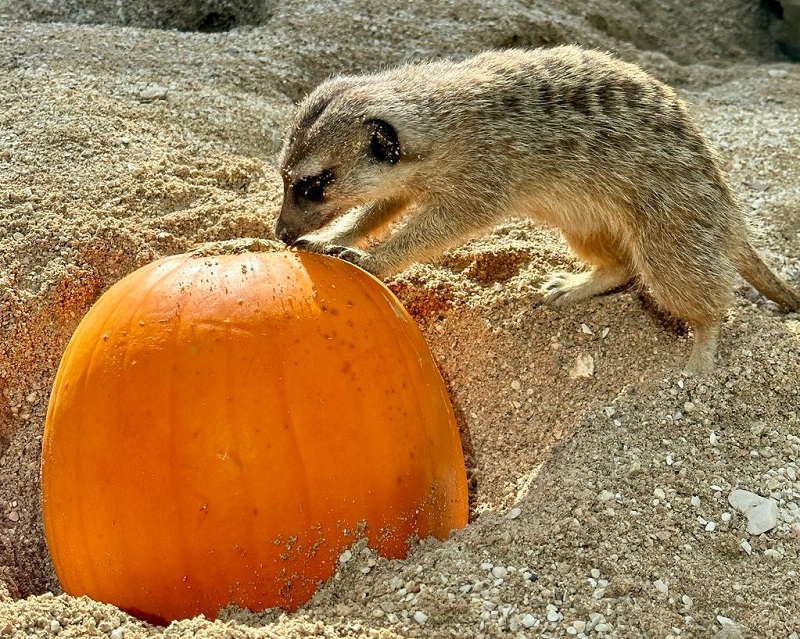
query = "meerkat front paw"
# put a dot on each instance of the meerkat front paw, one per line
(355, 256)
(311, 244)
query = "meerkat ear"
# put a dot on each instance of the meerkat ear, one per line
(384, 145)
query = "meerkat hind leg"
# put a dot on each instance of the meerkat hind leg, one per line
(697, 289)
(701, 359)
(610, 270)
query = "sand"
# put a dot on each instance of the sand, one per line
(600, 474)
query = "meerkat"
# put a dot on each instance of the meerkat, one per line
(571, 137)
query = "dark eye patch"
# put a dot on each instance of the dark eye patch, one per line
(384, 146)
(312, 187)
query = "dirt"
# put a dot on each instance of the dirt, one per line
(600, 473)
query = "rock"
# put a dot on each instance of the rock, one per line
(529, 621)
(730, 629)
(499, 572)
(420, 617)
(761, 513)
(583, 367)
(153, 92)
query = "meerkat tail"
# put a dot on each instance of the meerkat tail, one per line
(755, 271)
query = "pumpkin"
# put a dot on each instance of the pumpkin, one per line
(222, 428)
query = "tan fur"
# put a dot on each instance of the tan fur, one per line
(571, 137)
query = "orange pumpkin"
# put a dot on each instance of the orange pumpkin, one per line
(222, 428)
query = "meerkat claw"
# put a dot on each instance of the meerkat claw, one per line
(352, 255)
(554, 289)
(334, 250)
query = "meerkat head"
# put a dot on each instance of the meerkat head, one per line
(342, 150)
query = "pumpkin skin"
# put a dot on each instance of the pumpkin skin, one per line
(222, 428)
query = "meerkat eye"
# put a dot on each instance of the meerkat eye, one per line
(384, 146)
(312, 187)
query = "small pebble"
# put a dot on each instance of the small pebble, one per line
(583, 366)
(499, 572)
(695, 501)
(553, 615)
(529, 621)
(154, 92)
(761, 513)
(661, 586)
(346, 556)
(420, 617)
(514, 513)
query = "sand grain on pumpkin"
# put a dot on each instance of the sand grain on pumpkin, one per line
(591, 496)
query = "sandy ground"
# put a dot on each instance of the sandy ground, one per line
(599, 503)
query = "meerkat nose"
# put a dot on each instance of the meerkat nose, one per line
(283, 233)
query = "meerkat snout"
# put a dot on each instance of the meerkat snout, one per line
(319, 185)
(571, 137)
